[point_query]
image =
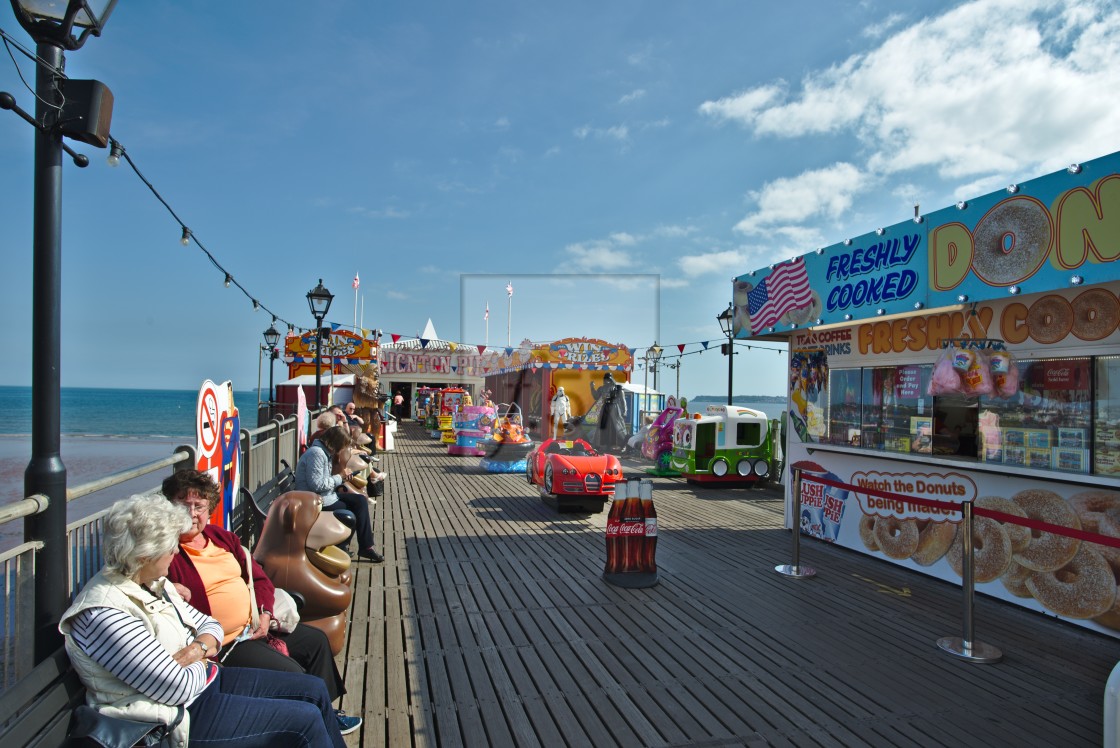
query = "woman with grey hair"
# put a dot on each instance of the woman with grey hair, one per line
(144, 654)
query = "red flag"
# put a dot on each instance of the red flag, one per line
(487, 315)
(356, 284)
(509, 288)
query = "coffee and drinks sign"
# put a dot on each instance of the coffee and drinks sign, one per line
(1058, 231)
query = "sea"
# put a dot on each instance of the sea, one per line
(103, 431)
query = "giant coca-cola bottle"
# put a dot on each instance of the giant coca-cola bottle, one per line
(614, 525)
(649, 551)
(632, 529)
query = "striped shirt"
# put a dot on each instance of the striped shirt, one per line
(119, 643)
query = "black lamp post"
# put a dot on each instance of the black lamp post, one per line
(271, 338)
(53, 29)
(726, 324)
(319, 299)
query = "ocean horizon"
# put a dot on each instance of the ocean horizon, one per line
(104, 412)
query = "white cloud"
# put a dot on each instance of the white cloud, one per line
(712, 262)
(600, 255)
(502, 123)
(826, 193)
(988, 87)
(633, 96)
(877, 30)
(620, 133)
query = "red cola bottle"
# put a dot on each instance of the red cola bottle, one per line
(614, 526)
(633, 529)
(649, 552)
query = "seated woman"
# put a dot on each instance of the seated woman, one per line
(143, 653)
(211, 572)
(314, 472)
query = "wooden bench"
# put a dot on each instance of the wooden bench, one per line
(36, 710)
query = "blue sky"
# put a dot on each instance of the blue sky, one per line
(620, 162)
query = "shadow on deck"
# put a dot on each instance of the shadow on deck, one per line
(488, 624)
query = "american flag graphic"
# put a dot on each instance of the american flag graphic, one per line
(786, 288)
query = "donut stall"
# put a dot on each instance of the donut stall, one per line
(971, 354)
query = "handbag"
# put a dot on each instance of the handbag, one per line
(90, 727)
(284, 613)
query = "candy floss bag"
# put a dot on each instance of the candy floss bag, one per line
(977, 379)
(946, 378)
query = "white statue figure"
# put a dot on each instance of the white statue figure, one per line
(561, 410)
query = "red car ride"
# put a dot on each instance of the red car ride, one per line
(572, 475)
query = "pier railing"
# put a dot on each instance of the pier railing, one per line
(262, 449)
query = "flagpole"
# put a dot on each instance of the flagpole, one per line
(487, 324)
(509, 311)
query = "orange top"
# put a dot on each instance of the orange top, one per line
(225, 589)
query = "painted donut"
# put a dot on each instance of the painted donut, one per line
(1019, 535)
(1096, 313)
(1050, 319)
(897, 538)
(1093, 507)
(991, 550)
(1083, 588)
(1011, 241)
(1015, 580)
(1111, 617)
(867, 532)
(1047, 551)
(934, 539)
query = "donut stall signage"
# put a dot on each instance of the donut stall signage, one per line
(1069, 576)
(1058, 230)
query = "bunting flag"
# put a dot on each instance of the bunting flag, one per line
(509, 351)
(424, 342)
(481, 349)
(395, 337)
(453, 346)
(705, 344)
(680, 347)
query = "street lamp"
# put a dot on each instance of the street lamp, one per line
(319, 299)
(51, 28)
(271, 338)
(726, 323)
(653, 355)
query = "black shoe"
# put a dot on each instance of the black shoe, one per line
(371, 555)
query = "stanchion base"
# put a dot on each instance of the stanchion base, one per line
(632, 579)
(796, 572)
(983, 654)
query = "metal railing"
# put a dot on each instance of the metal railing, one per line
(261, 451)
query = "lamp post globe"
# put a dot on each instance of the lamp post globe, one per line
(52, 26)
(319, 300)
(726, 323)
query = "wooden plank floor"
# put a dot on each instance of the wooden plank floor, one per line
(488, 625)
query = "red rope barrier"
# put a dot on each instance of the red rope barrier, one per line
(1034, 524)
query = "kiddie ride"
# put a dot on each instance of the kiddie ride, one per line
(658, 443)
(727, 444)
(450, 399)
(508, 445)
(472, 425)
(571, 475)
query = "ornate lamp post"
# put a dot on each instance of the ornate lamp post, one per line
(727, 325)
(271, 338)
(319, 299)
(52, 27)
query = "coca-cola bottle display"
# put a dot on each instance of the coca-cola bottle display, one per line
(649, 554)
(633, 529)
(630, 552)
(614, 523)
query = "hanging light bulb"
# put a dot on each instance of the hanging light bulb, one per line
(229, 279)
(186, 240)
(115, 153)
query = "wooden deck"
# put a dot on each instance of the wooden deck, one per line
(489, 625)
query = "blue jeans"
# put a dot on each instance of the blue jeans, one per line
(246, 708)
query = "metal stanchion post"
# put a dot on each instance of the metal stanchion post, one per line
(796, 570)
(965, 647)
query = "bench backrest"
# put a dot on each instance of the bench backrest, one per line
(261, 499)
(36, 712)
